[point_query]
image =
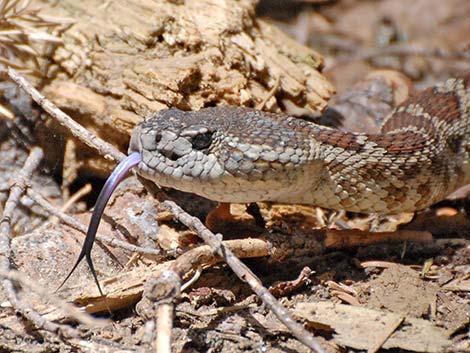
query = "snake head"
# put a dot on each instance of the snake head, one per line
(174, 146)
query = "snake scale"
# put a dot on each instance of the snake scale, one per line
(237, 154)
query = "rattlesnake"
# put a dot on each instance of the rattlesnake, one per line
(237, 154)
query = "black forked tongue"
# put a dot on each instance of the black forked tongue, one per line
(113, 181)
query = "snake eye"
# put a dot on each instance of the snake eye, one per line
(202, 141)
(158, 137)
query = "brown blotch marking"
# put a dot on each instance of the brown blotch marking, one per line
(411, 171)
(257, 140)
(455, 142)
(340, 139)
(424, 191)
(270, 141)
(399, 143)
(346, 185)
(372, 169)
(403, 119)
(400, 195)
(336, 166)
(444, 106)
(390, 189)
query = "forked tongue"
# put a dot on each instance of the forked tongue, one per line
(118, 174)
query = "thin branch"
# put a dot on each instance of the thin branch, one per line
(71, 310)
(164, 328)
(72, 222)
(76, 196)
(105, 149)
(270, 94)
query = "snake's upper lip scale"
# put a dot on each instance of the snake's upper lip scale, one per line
(162, 143)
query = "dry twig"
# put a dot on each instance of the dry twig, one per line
(71, 310)
(163, 328)
(72, 222)
(105, 149)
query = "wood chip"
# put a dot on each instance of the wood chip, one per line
(362, 328)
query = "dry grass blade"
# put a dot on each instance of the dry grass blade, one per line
(16, 66)
(6, 113)
(24, 33)
(24, 37)
(16, 7)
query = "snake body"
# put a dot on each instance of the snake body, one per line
(237, 154)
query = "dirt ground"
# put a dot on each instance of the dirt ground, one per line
(358, 282)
